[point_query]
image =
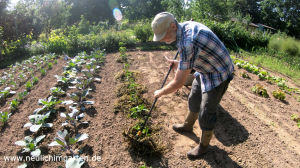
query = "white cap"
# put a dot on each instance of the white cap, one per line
(160, 25)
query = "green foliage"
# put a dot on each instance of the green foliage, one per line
(57, 42)
(43, 72)
(260, 90)
(4, 116)
(296, 118)
(83, 25)
(35, 80)
(285, 44)
(50, 65)
(28, 86)
(245, 75)
(235, 35)
(14, 104)
(279, 94)
(143, 31)
(138, 111)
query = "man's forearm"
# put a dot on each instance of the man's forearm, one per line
(171, 87)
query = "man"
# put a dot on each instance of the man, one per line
(200, 49)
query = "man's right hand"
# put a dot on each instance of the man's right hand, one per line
(172, 62)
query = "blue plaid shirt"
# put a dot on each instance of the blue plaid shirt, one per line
(202, 50)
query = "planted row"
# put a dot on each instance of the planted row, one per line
(79, 74)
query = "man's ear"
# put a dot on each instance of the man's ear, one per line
(173, 26)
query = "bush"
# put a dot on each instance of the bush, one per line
(235, 35)
(285, 44)
(143, 31)
(57, 42)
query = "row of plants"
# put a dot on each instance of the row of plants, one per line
(264, 75)
(17, 74)
(143, 139)
(74, 86)
(20, 96)
(260, 90)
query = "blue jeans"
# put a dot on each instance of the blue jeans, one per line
(206, 103)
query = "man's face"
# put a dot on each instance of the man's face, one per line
(170, 35)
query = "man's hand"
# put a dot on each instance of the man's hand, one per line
(157, 93)
(172, 62)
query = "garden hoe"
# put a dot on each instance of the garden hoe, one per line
(147, 117)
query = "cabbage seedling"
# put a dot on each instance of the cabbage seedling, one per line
(5, 93)
(57, 92)
(30, 145)
(14, 104)
(4, 116)
(64, 140)
(73, 118)
(38, 121)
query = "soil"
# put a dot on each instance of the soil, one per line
(251, 131)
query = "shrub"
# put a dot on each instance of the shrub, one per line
(285, 44)
(143, 31)
(57, 42)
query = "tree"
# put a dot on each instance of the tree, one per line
(283, 15)
(141, 9)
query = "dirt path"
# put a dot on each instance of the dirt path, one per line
(251, 131)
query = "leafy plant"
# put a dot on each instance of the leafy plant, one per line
(35, 80)
(30, 145)
(4, 116)
(245, 75)
(28, 86)
(5, 93)
(279, 94)
(14, 104)
(50, 65)
(296, 118)
(57, 92)
(260, 90)
(43, 72)
(138, 111)
(73, 118)
(38, 121)
(65, 140)
(141, 132)
(49, 104)
(22, 95)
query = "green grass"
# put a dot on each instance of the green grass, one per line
(283, 64)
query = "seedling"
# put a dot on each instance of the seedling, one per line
(28, 86)
(22, 95)
(30, 145)
(4, 116)
(38, 121)
(279, 94)
(73, 118)
(35, 80)
(245, 75)
(296, 118)
(57, 92)
(65, 140)
(50, 65)
(43, 72)
(139, 110)
(5, 93)
(258, 89)
(14, 104)
(49, 104)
